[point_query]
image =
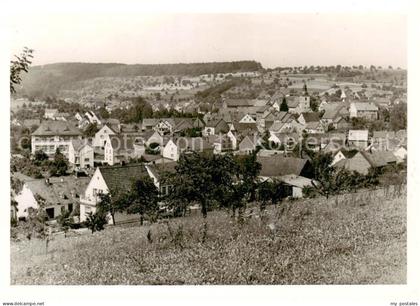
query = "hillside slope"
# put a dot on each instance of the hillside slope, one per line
(50, 79)
(353, 239)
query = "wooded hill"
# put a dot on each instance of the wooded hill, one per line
(52, 77)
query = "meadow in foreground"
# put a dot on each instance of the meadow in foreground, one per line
(357, 238)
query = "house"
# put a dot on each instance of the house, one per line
(298, 104)
(314, 127)
(55, 195)
(400, 154)
(149, 123)
(221, 143)
(342, 155)
(287, 140)
(234, 138)
(110, 179)
(102, 136)
(248, 144)
(366, 110)
(93, 119)
(165, 126)
(53, 135)
(50, 113)
(247, 119)
(336, 115)
(277, 166)
(245, 128)
(156, 171)
(358, 138)
(305, 118)
(215, 127)
(81, 154)
(121, 148)
(176, 146)
(297, 184)
(363, 161)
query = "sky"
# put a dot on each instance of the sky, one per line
(280, 39)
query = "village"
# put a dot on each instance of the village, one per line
(361, 125)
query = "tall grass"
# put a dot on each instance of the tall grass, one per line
(357, 238)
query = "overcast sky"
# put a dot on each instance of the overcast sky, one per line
(274, 40)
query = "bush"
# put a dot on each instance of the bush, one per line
(96, 222)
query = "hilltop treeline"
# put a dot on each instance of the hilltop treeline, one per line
(49, 79)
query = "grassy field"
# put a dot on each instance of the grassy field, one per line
(353, 239)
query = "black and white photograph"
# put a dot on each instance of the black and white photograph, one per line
(202, 148)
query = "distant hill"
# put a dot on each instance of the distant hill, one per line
(49, 79)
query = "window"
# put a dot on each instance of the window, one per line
(163, 191)
(87, 160)
(70, 207)
(50, 212)
(95, 191)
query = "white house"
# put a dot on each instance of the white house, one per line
(366, 110)
(120, 148)
(102, 136)
(358, 138)
(55, 195)
(53, 135)
(176, 146)
(247, 119)
(81, 154)
(106, 180)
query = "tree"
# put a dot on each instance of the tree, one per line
(283, 106)
(40, 156)
(398, 117)
(314, 104)
(111, 204)
(269, 192)
(21, 64)
(91, 130)
(96, 221)
(144, 199)
(64, 220)
(305, 89)
(58, 166)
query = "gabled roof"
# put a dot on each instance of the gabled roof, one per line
(63, 190)
(56, 128)
(245, 127)
(296, 180)
(247, 142)
(379, 158)
(122, 177)
(310, 117)
(349, 153)
(79, 144)
(158, 169)
(365, 106)
(292, 101)
(277, 165)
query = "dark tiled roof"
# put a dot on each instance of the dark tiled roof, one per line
(278, 165)
(310, 117)
(63, 190)
(238, 102)
(122, 177)
(379, 158)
